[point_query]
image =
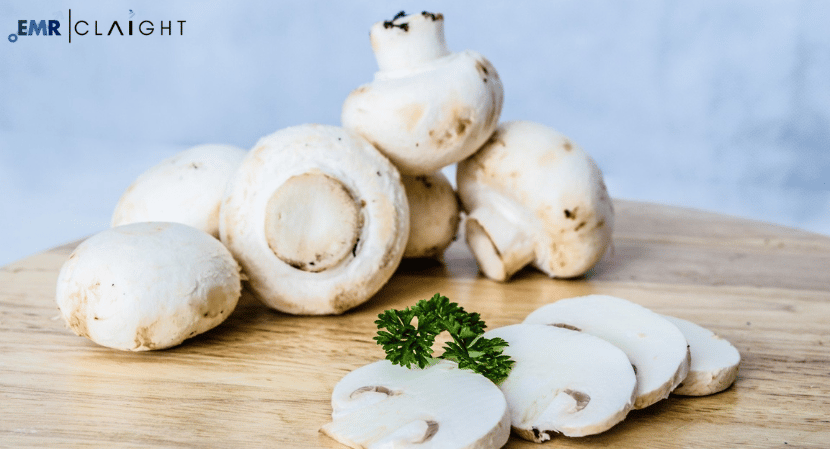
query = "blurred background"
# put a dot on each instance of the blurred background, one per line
(722, 106)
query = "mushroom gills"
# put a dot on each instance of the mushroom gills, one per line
(401, 407)
(564, 382)
(654, 345)
(715, 361)
(312, 222)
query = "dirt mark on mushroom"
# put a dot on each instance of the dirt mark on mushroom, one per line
(411, 115)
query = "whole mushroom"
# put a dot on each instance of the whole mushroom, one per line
(427, 107)
(186, 188)
(433, 215)
(147, 286)
(534, 196)
(317, 218)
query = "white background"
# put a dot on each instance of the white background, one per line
(723, 106)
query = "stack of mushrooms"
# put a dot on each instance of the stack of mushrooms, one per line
(316, 218)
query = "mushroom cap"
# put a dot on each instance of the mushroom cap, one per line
(564, 381)
(656, 348)
(147, 286)
(346, 174)
(433, 215)
(714, 364)
(426, 108)
(186, 188)
(547, 188)
(386, 405)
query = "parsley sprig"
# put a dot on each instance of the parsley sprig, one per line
(408, 344)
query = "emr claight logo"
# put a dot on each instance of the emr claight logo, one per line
(28, 27)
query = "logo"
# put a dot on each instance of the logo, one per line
(90, 28)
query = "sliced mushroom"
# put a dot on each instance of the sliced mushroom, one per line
(433, 215)
(147, 286)
(427, 107)
(383, 405)
(317, 218)
(186, 188)
(715, 361)
(564, 382)
(655, 347)
(533, 196)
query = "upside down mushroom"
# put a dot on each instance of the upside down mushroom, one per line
(427, 107)
(317, 218)
(534, 196)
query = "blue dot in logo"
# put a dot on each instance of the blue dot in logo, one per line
(12, 38)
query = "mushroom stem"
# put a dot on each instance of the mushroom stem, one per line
(408, 41)
(312, 222)
(499, 244)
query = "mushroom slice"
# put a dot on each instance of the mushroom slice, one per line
(186, 188)
(427, 107)
(657, 349)
(715, 361)
(564, 382)
(147, 286)
(534, 196)
(317, 218)
(433, 215)
(385, 405)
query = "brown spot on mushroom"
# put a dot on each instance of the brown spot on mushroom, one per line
(144, 338)
(434, 16)
(540, 436)
(571, 214)
(432, 429)
(424, 180)
(581, 398)
(452, 129)
(482, 69)
(566, 326)
(567, 145)
(580, 226)
(411, 115)
(494, 140)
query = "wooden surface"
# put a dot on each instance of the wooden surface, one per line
(264, 379)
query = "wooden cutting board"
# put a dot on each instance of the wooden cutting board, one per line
(264, 379)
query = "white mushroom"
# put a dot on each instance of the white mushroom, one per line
(433, 215)
(564, 382)
(147, 286)
(715, 361)
(427, 107)
(317, 218)
(533, 196)
(382, 405)
(657, 349)
(186, 188)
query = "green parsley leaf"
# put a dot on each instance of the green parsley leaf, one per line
(407, 344)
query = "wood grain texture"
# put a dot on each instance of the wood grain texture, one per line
(264, 379)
